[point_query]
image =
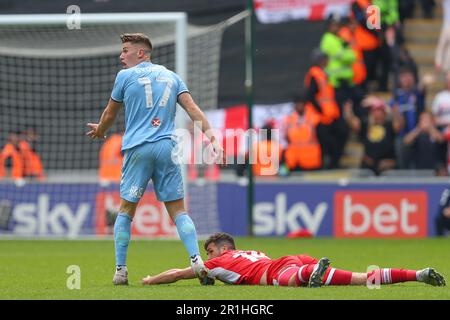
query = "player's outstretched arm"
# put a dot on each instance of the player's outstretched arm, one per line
(98, 130)
(199, 118)
(170, 276)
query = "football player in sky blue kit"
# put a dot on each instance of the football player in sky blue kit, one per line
(149, 93)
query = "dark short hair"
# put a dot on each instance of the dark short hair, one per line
(405, 69)
(301, 96)
(219, 239)
(138, 38)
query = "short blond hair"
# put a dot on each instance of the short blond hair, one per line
(137, 38)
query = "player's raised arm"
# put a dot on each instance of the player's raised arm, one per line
(199, 118)
(170, 276)
(98, 130)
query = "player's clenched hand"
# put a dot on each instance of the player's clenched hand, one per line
(95, 133)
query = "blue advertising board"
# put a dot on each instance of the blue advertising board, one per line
(324, 209)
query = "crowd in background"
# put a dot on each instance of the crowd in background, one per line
(19, 158)
(356, 63)
(358, 57)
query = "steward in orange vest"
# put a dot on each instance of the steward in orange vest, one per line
(267, 155)
(320, 93)
(110, 167)
(348, 34)
(303, 150)
(11, 151)
(32, 162)
(367, 39)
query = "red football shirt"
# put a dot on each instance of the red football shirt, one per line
(239, 267)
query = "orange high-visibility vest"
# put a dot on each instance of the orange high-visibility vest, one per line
(366, 40)
(363, 4)
(263, 153)
(111, 159)
(325, 96)
(303, 148)
(359, 67)
(32, 162)
(10, 151)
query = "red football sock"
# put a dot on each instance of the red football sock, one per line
(336, 277)
(303, 274)
(388, 275)
(331, 277)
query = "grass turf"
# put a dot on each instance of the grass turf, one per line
(36, 269)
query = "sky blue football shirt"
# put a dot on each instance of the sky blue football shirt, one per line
(149, 93)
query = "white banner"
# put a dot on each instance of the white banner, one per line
(276, 11)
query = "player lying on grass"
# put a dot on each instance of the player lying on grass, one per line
(255, 268)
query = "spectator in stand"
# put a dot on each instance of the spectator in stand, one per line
(446, 134)
(405, 60)
(367, 39)
(303, 151)
(19, 157)
(442, 57)
(441, 112)
(443, 217)
(441, 105)
(266, 154)
(391, 36)
(320, 94)
(33, 167)
(340, 61)
(11, 160)
(377, 134)
(340, 76)
(348, 33)
(110, 159)
(409, 99)
(425, 140)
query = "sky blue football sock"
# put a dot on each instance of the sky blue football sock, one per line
(122, 234)
(187, 233)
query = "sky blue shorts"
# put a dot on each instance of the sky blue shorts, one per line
(151, 160)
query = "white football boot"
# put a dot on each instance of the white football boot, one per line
(201, 271)
(121, 276)
(431, 277)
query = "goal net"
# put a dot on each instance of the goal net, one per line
(54, 80)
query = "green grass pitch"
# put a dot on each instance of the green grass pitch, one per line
(36, 269)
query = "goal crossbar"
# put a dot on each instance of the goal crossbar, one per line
(178, 18)
(92, 18)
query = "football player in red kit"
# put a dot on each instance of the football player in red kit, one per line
(232, 266)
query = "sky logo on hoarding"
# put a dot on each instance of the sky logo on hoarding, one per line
(380, 214)
(276, 218)
(42, 219)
